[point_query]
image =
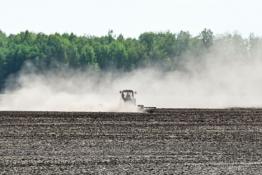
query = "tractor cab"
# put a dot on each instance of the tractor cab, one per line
(128, 96)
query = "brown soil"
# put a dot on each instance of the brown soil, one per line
(168, 141)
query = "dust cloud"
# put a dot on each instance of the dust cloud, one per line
(223, 77)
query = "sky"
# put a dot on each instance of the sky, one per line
(131, 17)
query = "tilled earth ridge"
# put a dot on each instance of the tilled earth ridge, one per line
(168, 141)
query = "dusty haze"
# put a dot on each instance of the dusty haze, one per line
(222, 77)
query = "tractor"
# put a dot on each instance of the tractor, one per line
(128, 96)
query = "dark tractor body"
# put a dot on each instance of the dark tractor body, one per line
(128, 96)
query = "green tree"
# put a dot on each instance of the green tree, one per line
(207, 37)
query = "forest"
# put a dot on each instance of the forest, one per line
(106, 53)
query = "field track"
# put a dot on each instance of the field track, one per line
(168, 141)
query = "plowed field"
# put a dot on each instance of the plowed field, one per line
(168, 141)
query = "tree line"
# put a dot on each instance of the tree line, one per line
(109, 52)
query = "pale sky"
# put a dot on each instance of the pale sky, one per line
(131, 17)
